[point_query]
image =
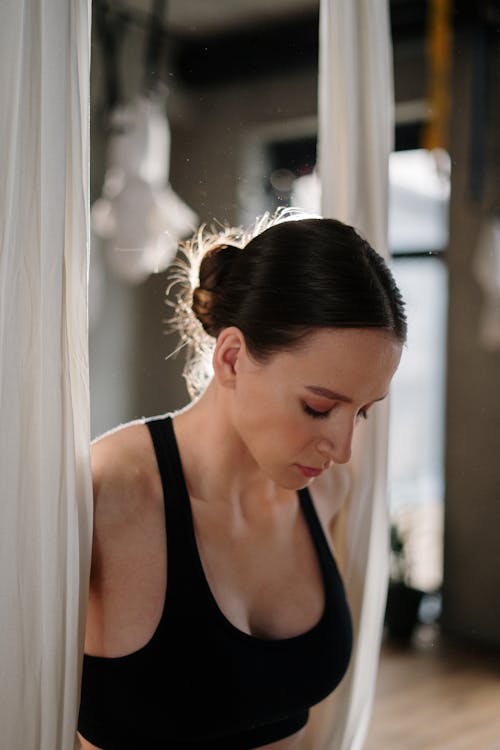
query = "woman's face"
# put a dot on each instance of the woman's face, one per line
(297, 412)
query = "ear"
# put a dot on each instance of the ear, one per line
(229, 351)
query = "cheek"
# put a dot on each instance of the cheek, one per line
(273, 432)
(272, 422)
(290, 436)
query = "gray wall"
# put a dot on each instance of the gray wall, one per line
(472, 508)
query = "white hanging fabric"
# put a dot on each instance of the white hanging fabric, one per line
(139, 215)
(45, 509)
(356, 114)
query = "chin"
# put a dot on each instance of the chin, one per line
(305, 483)
(296, 483)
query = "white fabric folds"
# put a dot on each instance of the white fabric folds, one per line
(355, 139)
(45, 508)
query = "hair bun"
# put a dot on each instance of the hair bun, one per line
(215, 266)
(203, 302)
(214, 269)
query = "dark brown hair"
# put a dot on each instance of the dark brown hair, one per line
(296, 276)
(291, 278)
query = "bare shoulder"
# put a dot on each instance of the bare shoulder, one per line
(329, 492)
(124, 471)
(127, 493)
(128, 548)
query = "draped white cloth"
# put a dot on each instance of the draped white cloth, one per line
(356, 112)
(139, 215)
(45, 509)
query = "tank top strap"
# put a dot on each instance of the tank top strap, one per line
(318, 536)
(181, 557)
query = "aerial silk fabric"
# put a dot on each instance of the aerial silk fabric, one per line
(356, 114)
(45, 508)
(140, 217)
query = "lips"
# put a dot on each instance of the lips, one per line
(308, 471)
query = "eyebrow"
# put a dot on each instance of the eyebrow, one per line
(332, 395)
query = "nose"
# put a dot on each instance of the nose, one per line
(337, 444)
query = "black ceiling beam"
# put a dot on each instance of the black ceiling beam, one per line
(280, 46)
(251, 52)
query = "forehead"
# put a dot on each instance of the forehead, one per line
(354, 361)
(346, 340)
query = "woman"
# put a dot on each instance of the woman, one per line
(217, 614)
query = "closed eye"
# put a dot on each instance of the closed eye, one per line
(313, 413)
(362, 413)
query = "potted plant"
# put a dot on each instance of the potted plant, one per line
(403, 600)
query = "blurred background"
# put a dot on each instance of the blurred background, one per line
(207, 112)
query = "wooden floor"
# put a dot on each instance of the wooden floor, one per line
(436, 695)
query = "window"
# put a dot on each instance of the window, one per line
(418, 235)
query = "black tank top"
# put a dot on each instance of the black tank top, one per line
(200, 683)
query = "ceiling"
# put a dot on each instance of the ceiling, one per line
(206, 17)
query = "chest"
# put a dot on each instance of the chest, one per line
(266, 577)
(240, 673)
(275, 647)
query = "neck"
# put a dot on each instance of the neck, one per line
(216, 462)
